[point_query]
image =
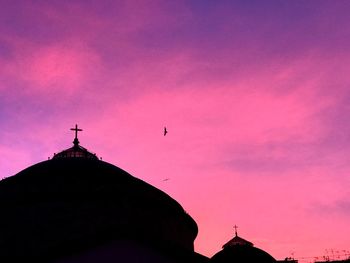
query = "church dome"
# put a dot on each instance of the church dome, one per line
(77, 151)
(239, 250)
(80, 201)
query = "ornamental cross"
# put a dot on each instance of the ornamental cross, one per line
(76, 130)
(235, 227)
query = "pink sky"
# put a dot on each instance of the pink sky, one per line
(255, 96)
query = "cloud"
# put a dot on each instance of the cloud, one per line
(332, 206)
(66, 66)
(255, 104)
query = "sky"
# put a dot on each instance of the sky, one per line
(254, 94)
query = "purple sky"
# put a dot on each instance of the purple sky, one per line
(255, 96)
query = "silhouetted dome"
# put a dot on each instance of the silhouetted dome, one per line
(76, 151)
(239, 250)
(79, 201)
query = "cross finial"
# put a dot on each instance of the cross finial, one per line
(235, 227)
(76, 129)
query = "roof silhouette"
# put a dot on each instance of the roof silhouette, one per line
(68, 202)
(77, 208)
(77, 150)
(242, 254)
(240, 250)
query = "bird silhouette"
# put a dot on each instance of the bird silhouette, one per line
(165, 131)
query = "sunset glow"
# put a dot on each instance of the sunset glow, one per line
(254, 95)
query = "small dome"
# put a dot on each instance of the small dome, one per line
(237, 241)
(242, 254)
(239, 250)
(76, 151)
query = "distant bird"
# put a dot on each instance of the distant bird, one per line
(166, 179)
(165, 131)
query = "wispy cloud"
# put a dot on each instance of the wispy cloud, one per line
(255, 98)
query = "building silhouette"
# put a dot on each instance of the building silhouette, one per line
(334, 261)
(240, 250)
(77, 208)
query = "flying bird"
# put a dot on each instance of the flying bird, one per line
(165, 131)
(166, 179)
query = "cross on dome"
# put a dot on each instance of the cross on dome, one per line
(76, 129)
(236, 240)
(235, 227)
(76, 151)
